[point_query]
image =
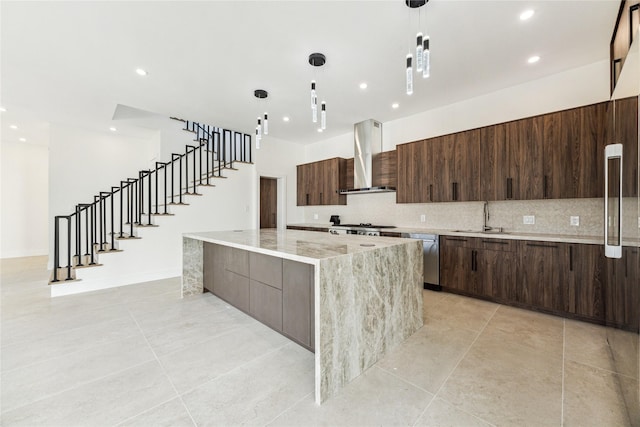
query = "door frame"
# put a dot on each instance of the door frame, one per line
(281, 218)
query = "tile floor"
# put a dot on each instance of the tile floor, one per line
(141, 356)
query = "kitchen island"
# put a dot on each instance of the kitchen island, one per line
(366, 291)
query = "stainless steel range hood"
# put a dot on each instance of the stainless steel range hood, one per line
(367, 144)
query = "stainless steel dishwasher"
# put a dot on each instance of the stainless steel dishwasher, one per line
(431, 256)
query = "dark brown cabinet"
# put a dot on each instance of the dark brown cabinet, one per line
(511, 160)
(440, 169)
(318, 183)
(573, 152)
(622, 296)
(567, 279)
(586, 266)
(540, 275)
(478, 267)
(623, 129)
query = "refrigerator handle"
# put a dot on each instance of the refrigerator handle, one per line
(612, 249)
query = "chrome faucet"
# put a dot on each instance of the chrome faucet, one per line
(485, 215)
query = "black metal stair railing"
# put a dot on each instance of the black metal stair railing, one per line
(94, 228)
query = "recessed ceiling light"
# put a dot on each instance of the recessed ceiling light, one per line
(112, 129)
(23, 139)
(14, 127)
(533, 59)
(286, 119)
(395, 105)
(2, 109)
(526, 14)
(363, 85)
(319, 130)
(141, 72)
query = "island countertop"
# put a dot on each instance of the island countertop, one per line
(303, 246)
(365, 293)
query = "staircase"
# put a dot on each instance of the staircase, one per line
(96, 227)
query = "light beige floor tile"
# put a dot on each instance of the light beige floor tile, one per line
(26, 385)
(462, 312)
(443, 414)
(65, 342)
(192, 330)
(505, 383)
(147, 289)
(107, 401)
(586, 343)
(374, 398)
(537, 331)
(40, 326)
(255, 393)
(624, 350)
(187, 368)
(169, 414)
(592, 397)
(631, 394)
(428, 357)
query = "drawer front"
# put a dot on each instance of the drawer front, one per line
(236, 260)
(265, 304)
(498, 244)
(459, 241)
(265, 269)
(234, 289)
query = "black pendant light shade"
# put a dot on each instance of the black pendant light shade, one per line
(317, 59)
(260, 93)
(413, 4)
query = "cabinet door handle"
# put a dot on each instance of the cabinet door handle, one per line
(431, 192)
(635, 182)
(509, 188)
(454, 188)
(570, 258)
(320, 197)
(538, 245)
(455, 239)
(545, 185)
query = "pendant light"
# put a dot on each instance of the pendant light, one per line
(426, 61)
(409, 74)
(263, 125)
(317, 60)
(422, 53)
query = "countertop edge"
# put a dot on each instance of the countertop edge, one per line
(558, 238)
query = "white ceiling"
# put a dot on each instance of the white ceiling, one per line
(74, 62)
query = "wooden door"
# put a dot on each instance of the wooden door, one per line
(301, 189)
(407, 167)
(455, 263)
(496, 263)
(467, 166)
(541, 284)
(525, 148)
(626, 133)
(494, 163)
(589, 169)
(587, 278)
(268, 203)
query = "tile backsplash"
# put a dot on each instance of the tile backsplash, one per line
(551, 216)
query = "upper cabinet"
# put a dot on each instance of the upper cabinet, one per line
(318, 183)
(573, 142)
(552, 156)
(623, 129)
(441, 169)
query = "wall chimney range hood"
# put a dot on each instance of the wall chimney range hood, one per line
(367, 144)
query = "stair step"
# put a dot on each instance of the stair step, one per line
(162, 214)
(145, 225)
(62, 276)
(127, 237)
(86, 261)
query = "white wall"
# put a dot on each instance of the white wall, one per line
(278, 159)
(572, 88)
(24, 209)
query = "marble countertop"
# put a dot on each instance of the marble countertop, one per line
(304, 246)
(561, 238)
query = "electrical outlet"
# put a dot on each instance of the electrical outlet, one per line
(575, 221)
(315, 216)
(529, 219)
(423, 218)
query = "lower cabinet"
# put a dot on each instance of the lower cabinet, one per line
(275, 291)
(568, 279)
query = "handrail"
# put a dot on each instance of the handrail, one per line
(100, 223)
